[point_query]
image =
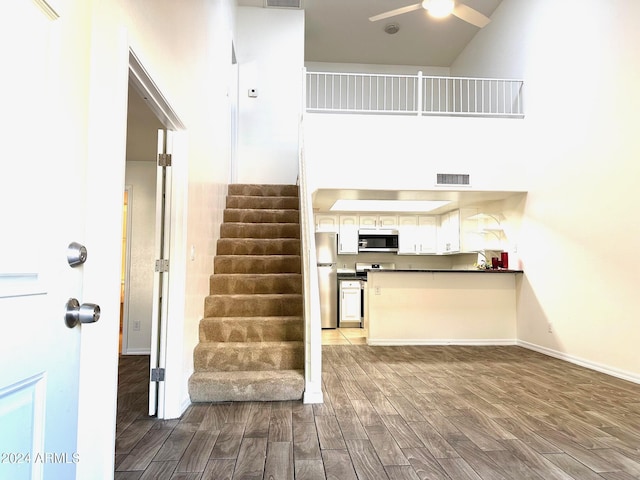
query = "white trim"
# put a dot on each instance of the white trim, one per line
(127, 273)
(311, 396)
(598, 367)
(137, 351)
(444, 341)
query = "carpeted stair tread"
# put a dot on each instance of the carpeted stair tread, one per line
(264, 215)
(251, 329)
(258, 246)
(259, 230)
(257, 264)
(257, 202)
(253, 305)
(238, 283)
(241, 356)
(248, 386)
(264, 190)
(251, 337)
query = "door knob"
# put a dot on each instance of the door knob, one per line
(76, 313)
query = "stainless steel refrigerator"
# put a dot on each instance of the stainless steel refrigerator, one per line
(327, 257)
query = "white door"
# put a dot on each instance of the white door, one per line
(159, 313)
(41, 212)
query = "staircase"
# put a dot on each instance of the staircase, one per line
(250, 346)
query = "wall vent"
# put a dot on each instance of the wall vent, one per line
(283, 3)
(452, 179)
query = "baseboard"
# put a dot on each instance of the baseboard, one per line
(312, 396)
(470, 342)
(598, 367)
(137, 351)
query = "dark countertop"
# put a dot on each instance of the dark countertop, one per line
(443, 270)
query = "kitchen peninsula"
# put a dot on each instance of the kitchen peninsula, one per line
(439, 307)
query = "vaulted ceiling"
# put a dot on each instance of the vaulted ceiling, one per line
(340, 31)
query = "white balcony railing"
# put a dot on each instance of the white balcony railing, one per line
(412, 94)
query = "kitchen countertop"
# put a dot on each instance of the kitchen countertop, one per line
(451, 270)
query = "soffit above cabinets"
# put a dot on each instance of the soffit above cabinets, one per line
(323, 199)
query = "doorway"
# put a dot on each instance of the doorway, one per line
(147, 188)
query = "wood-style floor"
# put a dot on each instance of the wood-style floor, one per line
(444, 412)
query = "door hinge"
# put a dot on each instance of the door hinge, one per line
(157, 374)
(164, 159)
(162, 265)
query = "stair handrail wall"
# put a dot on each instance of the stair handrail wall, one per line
(375, 93)
(311, 294)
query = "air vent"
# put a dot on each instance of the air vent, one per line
(283, 3)
(452, 179)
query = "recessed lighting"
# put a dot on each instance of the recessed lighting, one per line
(388, 205)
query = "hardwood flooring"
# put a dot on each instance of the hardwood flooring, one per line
(414, 412)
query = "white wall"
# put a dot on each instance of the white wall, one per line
(371, 68)
(270, 52)
(441, 308)
(139, 291)
(579, 235)
(186, 50)
(406, 152)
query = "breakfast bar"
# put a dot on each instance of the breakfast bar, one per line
(441, 307)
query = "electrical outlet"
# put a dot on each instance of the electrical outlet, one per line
(376, 290)
(549, 327)
(136, 326)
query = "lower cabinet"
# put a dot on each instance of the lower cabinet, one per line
(350, 303)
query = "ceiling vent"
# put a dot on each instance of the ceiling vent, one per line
(283, 3)
(453, 179)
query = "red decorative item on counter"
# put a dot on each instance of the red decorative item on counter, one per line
(494, 263)
(504, 256)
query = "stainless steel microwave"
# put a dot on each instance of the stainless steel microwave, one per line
(377, 240)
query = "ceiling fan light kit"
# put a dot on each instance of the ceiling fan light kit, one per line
(440, 8)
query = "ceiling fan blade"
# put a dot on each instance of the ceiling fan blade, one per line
(469, 15)
(397, 11)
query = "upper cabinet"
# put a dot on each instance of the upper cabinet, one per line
(460, 232)
(348, 234)
(378, 221)
(326, 223)
(417, 235)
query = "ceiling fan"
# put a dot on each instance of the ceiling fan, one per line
(438, 9)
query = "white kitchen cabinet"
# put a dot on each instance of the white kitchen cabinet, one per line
(350, 303)
(417, 234)
(427, 234)
(378, 221)
(348, 234)
(459, 232)
(449, 232)
(326, 223)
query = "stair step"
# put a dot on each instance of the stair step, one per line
(261, 215)
(253, 305)
(251, 329)
(256, 202)
(243, 356)
(259, 230)
(266, 190)
(258, 246)
(257, 264)
(238, 283)
(248, 386)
